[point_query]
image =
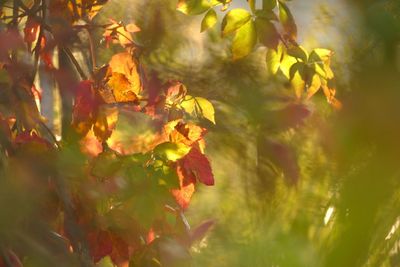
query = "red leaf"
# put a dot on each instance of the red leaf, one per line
(198, 233)
(100, 244)
(198, 164)
(31, 31)
(85, 107)
(187, 181)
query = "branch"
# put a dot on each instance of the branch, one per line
(75, 62)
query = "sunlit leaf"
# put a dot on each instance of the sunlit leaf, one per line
(287, 20)
(105, 122)
(298, 84)
(193, 7)
(298, 52)
(199, 106)
(209, 20)
(233, 20)
(31, 31)
(314, 86)
(244, 40)
(122, 89)
(198, 164)
(273, 59)
(172, 151)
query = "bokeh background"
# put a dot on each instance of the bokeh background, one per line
(296, 185)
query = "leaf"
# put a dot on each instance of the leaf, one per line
(267, 33)
(209, 20)
(199, 232)
(298, 83)
(171, 151)
(85, 106)
(298, 52)
(273, 59)
(269, 4)
(193, 7)
(233, 20)
(121, 88)
(244, 41)
(314, 86)
(31, 31)
(132, 28)
(106, 164)
(206, 108)
(198, 164)
(123, 63)
(287, 20)
(199, 106)
(252, 5)
(105, 122)
(184, 194)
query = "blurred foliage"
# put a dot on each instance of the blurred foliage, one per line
(298, 182)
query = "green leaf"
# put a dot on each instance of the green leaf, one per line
(244, 41)
(233, 20)
(287, 20)
(266, 14)
(269, 4)
(171, 151)
(267, 33)
(193, 7)
(209, 20)
(298, 52)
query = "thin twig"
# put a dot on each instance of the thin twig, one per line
(75, 62)
(92, 50)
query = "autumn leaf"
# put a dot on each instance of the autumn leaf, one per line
(121, 88)
(85, 107)
(199, 232)
(31, 31)
(244, 40)
(171, 151)
(187, 182)
(314, 86)
(105, 123)
(209, 20)
(199, 106)
(267, 33)
(198, 164)
(123, 63)
(193, 7)
(233, 20)
(287, 20)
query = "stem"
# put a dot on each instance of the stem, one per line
(92, 50)
(75, 62)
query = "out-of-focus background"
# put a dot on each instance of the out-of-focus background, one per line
(296, 185)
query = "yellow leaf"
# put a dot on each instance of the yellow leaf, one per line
(314, 86)
(234, 19)
(206, 108)
(209, 20)
(298, 84)
(244, 40)
(172, 151)
(121, 88)
(123, 63)
(199, 106)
